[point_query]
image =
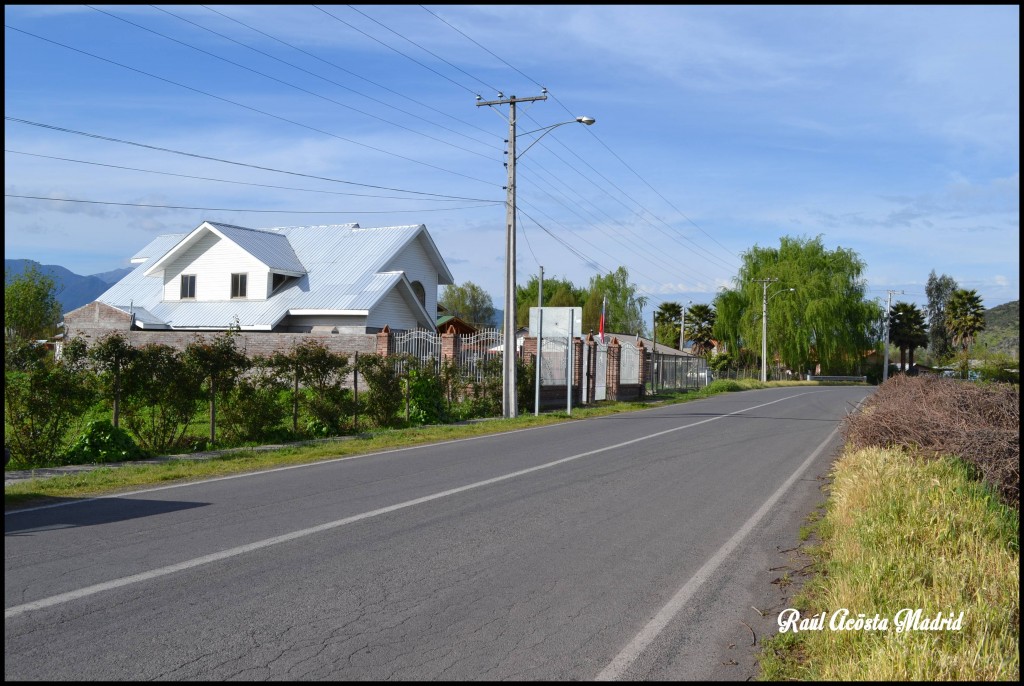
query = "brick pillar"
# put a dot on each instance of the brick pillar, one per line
(450, 344)
(612, 369)
(385, 342)
(641, 367)
(529, 349)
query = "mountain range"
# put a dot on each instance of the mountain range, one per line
(73, 290)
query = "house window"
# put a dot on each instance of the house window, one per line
(238, 285)
(188, 286)
(421, 294)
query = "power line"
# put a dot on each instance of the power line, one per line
(421, 47)
(236, 209)
(396, 50)
(252, 109)
(358, 76)
(240, 183)
(239, 164)
(286, 83)
(596, 137)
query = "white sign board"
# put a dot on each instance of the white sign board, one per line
(556, 321)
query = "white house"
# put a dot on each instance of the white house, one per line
(320, 279)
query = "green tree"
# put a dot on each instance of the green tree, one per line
(700, 327)
(624, 310)
(384, 397)
(110, 355)
(826, 320)
(907, 330)
(44, 399)
(667, 319)
(965, 318)
(255, 409)
(939, 289)
(557, 293)
(160, 396)
(31, 310)
(470, 303)
(321, 373)
(219, 363)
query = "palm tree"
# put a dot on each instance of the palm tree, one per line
(667, 318)
(907, 330)
(965, 317)
(700, 324)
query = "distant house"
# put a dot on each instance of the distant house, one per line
(446, 321)
(341, 279)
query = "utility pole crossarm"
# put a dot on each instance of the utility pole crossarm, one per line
(512, 99)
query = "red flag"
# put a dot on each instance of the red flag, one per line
(601, 327)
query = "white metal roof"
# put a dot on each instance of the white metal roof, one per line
(340, 270)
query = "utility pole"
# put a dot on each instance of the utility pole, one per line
(508, 357)
(540, 341)
(764, 326)
(888, 305)
(682, 327)
(654, 352)
(508, 397)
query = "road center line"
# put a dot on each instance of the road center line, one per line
(284, 538)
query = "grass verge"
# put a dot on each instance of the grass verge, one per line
(903, 532)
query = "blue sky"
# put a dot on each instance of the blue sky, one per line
(891, 131)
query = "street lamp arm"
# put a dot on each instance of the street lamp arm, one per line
(548, 129)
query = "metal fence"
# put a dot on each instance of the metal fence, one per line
(629, 364)
(677, 372)
(421, 345)
(476, 354)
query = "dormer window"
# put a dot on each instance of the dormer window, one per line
(280, 281)
(188, 286)
(238, 285)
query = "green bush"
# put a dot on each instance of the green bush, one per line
(44, 401)
(101, 441)
(253, 410)
(384, 397)
(426, 396)
(329, 408)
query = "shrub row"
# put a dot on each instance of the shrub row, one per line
(153, 394)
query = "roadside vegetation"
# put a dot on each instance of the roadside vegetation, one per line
(923, 514)
(370, 440)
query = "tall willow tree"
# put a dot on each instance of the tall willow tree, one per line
(624, 310)
(825, 321)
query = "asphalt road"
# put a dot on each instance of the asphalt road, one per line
(632, 546)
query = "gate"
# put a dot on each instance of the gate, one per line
(600, 371)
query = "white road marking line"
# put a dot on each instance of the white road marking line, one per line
(628, 655)
(268, 542)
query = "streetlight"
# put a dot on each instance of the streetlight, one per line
(508, 399)
(682, 327)
(764, 325)
(888, 308)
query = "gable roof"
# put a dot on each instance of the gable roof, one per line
(272, 249)
(340, 270)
